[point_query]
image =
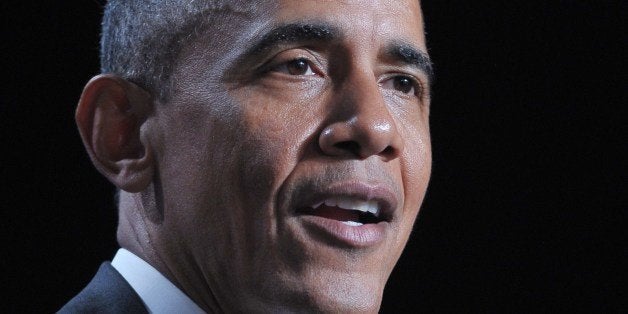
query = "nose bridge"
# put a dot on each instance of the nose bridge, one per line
(362, 96)
(363, 125)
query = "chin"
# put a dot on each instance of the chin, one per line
(349, 301)
(320, 291)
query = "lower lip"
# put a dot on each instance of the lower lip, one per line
(338, 233)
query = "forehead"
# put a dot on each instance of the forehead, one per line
(365, 25)
(366, 19)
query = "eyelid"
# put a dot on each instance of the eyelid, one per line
(283, 57)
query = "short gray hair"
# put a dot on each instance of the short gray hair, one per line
(141, 39)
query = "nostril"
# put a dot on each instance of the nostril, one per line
(349, 146)
(388, 151)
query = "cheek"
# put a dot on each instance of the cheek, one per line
(275, 133)
(417, 156)
(270, 145)
(197, 144)
(416, 167)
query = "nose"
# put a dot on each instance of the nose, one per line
(361, 125)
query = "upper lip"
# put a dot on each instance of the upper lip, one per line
(353, 190)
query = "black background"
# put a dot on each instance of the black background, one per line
(526, 203)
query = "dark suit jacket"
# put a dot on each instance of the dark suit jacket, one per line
(108, 292)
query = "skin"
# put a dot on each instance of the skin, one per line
(213, 179)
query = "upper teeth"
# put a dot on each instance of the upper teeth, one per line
(352, 204)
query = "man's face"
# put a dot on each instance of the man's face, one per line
(293, 155)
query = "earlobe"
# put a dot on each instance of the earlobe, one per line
(109, 116)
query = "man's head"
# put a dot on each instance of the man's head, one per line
(270, 156)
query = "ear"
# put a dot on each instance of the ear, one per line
(109, 116)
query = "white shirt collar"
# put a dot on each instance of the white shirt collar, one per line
(158, 293)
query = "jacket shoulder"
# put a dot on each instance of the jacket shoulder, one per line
(107, 292)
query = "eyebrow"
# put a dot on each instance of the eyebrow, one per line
(291, 33)
(409, 55)
(295, 33)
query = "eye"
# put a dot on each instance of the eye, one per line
(300, 66)
(404, 84)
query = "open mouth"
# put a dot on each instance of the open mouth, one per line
(347, 210)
